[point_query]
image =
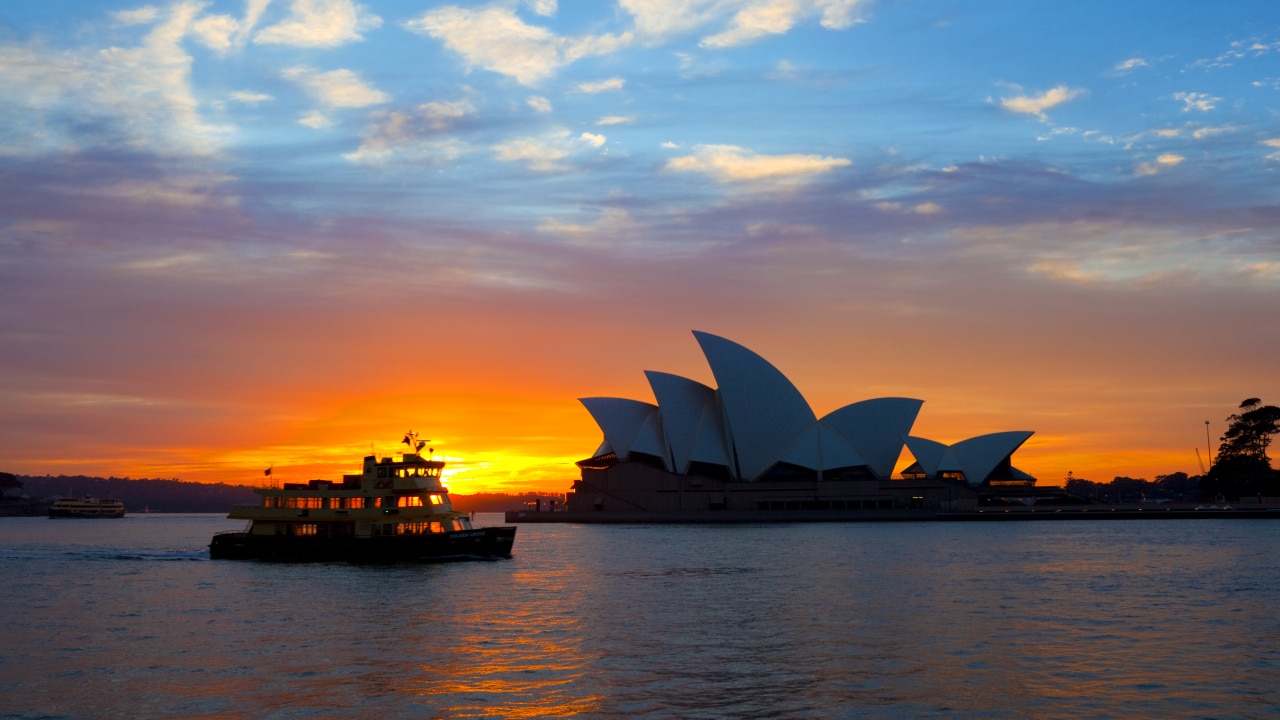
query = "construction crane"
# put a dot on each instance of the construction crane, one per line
(1201, 461)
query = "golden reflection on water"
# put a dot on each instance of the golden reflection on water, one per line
(515, 657)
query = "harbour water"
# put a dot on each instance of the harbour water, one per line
(1172, 619)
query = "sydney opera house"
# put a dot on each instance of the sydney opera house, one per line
(752, 449)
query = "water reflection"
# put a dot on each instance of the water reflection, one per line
(1008, 620)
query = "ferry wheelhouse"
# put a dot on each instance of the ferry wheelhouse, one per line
(394, 510)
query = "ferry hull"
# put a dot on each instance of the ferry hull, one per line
(481, 543)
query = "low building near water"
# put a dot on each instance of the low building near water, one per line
(751, 449)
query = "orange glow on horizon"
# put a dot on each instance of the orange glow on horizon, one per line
(517, 428)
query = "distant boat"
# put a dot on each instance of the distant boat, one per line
(86, 507)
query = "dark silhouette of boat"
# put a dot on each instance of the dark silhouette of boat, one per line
(393, 511)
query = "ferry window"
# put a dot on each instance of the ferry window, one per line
(436, 527)
(304, 529)
(436, 499)
(382, 472)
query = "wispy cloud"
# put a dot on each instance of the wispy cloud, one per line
(143, 93)
(1165, 160)
(539, 104)
(1274, 143)
(616, 120)
(1129, 65)
(612, 223)
(336, 88)
(1119, 253)
(736, 22)
(1037, 104)
(321, 24)
(731, 164)
(1201, 102)
(249, 98)
(759, 18)
(496, 39)
(599, 86)
(544, 153)
(414, 135)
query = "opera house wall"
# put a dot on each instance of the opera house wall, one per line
(752, 445)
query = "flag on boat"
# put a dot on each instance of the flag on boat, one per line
(267, 471)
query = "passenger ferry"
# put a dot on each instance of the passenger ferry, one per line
(393, 511)
(86, 507)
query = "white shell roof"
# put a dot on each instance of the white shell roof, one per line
(976, 457)
(874, 428)
(764, 411)
(980, 455)
(685, 405)
(929, 453)
(756, 419)
(628, 425)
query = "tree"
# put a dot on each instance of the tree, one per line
(1249, 433)
(1242, 466)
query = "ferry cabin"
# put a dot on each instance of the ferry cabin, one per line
(389, 498)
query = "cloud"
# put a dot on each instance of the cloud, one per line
(1037, 104)
(616, 120)
(144, 15)
(315, 120)
(545, 152)
(223, 32)
(924, 208)
(1275, 143)
(414, 135)
(731, 164)
(741, 21)
(540, 104)
(1130, 64)
(600, 86)
(1202, 102)
(216, 31)
(612, 223)
(1205, 132)
(184, 190)
(1115, 252)
(139, 98)
(319, 24)
(249, 98)
(546, 8)
(336, 88)
(496, 39)
(1164, 160)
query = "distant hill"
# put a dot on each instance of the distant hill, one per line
(137, 495)
(191, 497)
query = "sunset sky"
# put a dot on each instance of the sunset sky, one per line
(248, 233)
